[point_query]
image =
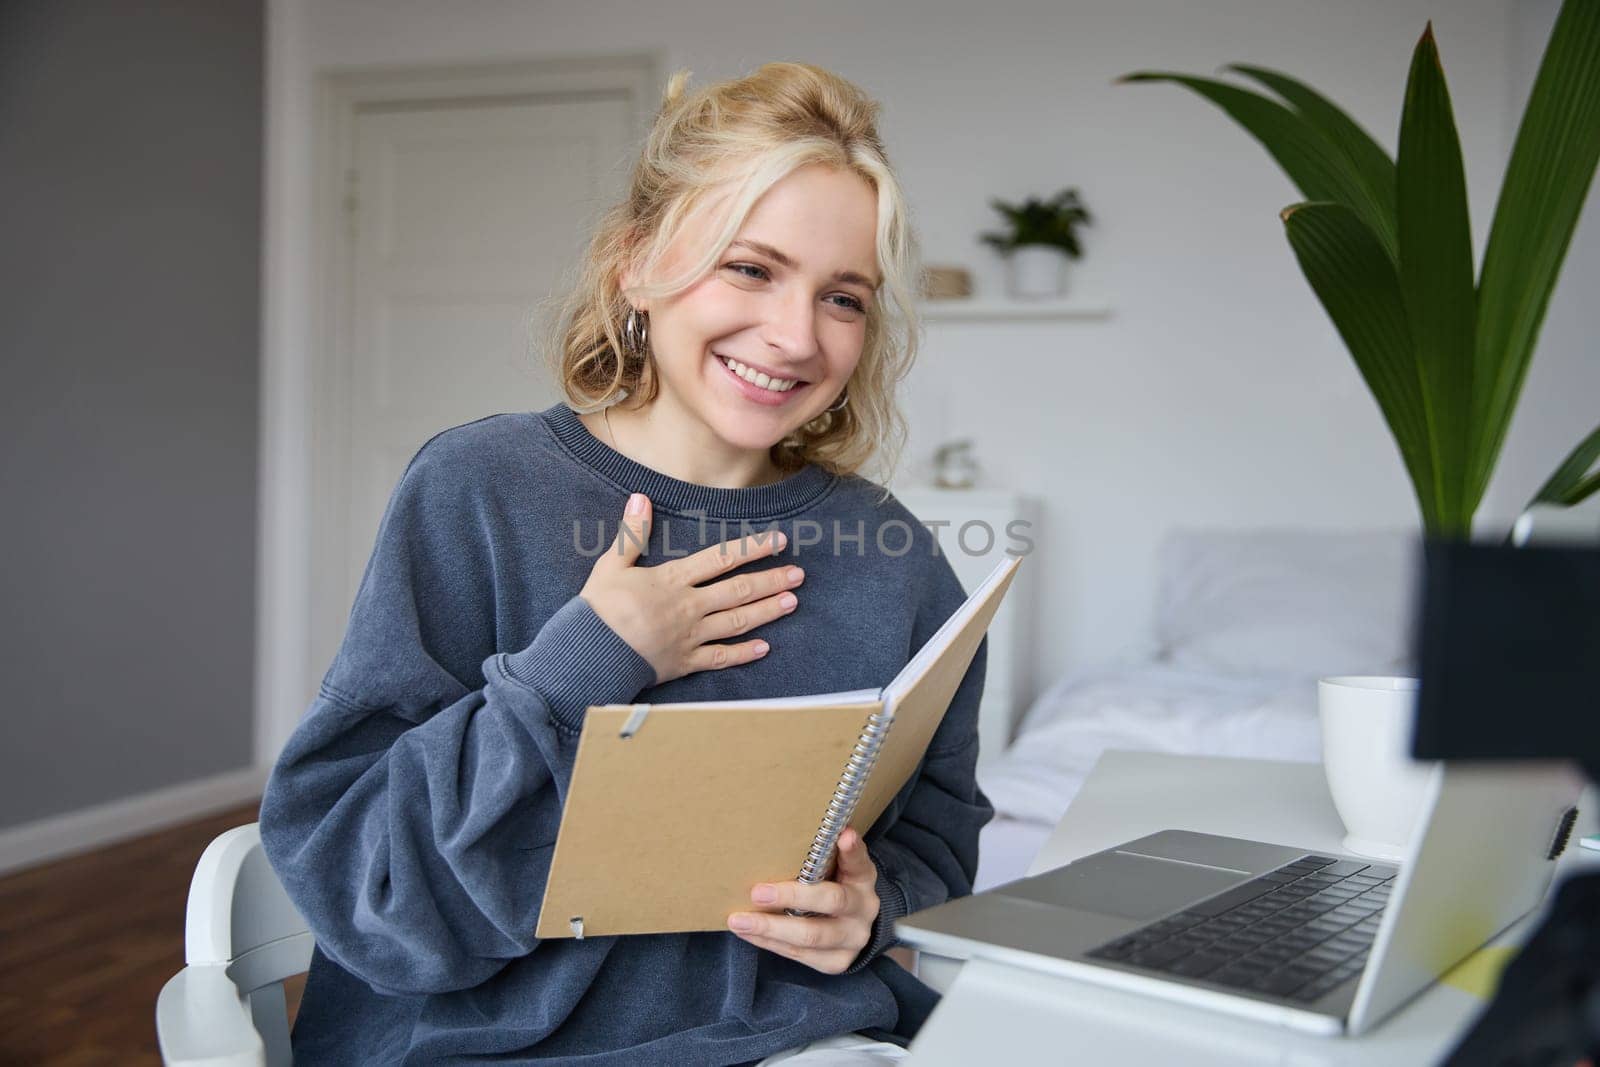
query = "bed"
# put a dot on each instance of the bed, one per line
(1245, 622)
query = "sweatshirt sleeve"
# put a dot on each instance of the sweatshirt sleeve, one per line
(925, 845)
(412, 815)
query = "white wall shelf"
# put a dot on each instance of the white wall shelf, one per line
(975, 310)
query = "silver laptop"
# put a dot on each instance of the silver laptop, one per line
(1322, 942)
(1318, 941)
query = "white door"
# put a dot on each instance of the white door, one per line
(462, 218)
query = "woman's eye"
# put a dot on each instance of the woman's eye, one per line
(760, 274)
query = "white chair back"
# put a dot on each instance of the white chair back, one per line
(242, 938)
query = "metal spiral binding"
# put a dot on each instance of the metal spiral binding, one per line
(845, 796)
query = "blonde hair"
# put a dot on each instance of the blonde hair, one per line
(709, 157)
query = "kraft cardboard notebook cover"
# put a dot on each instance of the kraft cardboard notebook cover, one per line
(676, 810)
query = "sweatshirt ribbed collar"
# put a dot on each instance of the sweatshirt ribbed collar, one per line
(794, 493)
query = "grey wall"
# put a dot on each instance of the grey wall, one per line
(130, 179)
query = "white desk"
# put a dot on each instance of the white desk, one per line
(997, 1014)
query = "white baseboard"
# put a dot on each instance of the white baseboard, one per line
(65, 835)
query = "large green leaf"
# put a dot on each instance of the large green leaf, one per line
(1318, 167)
(1583, 490)
(1436, 281)
(1373, 168)
(1358, 285)
(1573, 481)
(1547, 179)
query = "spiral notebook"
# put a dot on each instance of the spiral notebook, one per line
(675, 810)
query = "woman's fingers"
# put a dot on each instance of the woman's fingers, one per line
(721, 558)
(717, 657)
(843, 911)
(828, 940)
(855, 866)
(662, 613)
(743, 588)
(809, 934)
(746, 617)
(828, 961)
(824, 898)
(633, 533)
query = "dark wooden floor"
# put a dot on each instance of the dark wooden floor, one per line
(86, 943)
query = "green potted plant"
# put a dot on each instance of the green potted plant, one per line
(1386, 246)
(1041, 238)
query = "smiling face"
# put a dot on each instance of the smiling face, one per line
(766, 341)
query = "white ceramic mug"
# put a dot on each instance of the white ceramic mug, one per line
(1378, 789)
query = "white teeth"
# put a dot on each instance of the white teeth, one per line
(755, 377)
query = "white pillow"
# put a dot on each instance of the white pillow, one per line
(1288, 602)
(1149, 708)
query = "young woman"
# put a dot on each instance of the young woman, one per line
(690, 526)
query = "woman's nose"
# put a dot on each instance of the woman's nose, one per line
(791, 326)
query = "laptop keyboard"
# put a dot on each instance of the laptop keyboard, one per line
(1298, 932)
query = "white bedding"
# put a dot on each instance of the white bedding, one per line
(1245, 622)
(1150, 706)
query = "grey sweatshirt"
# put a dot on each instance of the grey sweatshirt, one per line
(413, 813)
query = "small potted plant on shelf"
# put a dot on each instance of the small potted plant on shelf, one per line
(1042, 237)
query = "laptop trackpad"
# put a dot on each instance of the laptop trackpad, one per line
(1125, 885)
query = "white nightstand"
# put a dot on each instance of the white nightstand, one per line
(976, 528)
